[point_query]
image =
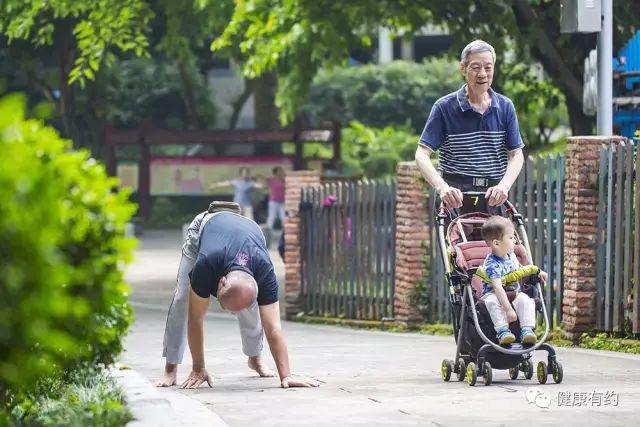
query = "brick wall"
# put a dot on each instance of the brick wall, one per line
(294, 181)
(411, 236)
(581, 217)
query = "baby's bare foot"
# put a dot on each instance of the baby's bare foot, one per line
(260, 367)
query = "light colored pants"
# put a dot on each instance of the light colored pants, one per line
(523, 305)
(276, 209)
(175, 334)
(246, 211)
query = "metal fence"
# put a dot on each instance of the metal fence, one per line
(348, 232)
(618, 249)
(538, 195)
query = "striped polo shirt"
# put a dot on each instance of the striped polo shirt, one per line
(470, 143)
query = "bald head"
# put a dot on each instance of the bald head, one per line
(237, 291)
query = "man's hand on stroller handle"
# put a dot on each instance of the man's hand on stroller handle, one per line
(450, 196)
(453, 198)
(497, 195)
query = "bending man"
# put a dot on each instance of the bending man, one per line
(225, 256)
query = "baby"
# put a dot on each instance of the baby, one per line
(499, 233)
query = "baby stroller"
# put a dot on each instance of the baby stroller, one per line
(477, 348)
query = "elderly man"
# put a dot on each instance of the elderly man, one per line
(225, 255)
(475, 131)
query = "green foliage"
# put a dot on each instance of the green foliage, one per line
(63, 301)
(97, 26)
(90, 397)
(440, 329)
(622, 342)
(290, 35)
(145, 88)
(299, 37)
(605, 341)
(190, 25)
(367, 151)
(540, 105)
(375, 153)
(392, 94)
(171, 211)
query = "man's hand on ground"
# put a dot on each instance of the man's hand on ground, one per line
(497, 195)
(450, 196)
(288, 382)
(196, 378)
(169, 377)
(256, 363)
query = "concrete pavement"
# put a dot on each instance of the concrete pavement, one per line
(367, 377)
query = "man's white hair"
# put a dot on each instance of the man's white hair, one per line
(476, 46)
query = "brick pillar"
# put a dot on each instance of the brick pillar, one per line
(580, 228)
(411, 235)
(294, 182)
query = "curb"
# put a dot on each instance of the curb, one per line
(159, 407)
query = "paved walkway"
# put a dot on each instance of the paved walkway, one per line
(368, 378)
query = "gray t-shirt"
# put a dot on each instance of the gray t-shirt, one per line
(243, 190)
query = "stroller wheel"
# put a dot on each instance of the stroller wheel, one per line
(527, 369)
(541, 372)
(462, 369)
(472, 374)
(446, 368)
(513, 372)
(556, 371)
(487, 373)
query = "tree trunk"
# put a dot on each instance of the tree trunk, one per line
(187, 95)
(546, 49)
(581, 124)
(264, 93)
(239, 103)
(265, 110)
(67, 96)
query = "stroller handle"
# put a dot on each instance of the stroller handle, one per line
(507, 204)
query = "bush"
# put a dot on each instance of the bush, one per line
(63, 302)
(375, 153)
(396, 94)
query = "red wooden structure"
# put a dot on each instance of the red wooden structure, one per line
(146, 136)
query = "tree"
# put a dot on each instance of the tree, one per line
(73, 38)
(298, 37)
(63, 54)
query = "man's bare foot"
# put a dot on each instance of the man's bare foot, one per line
(256, 363)
(169, 377)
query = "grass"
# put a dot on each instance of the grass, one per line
(604, 341)
(90, 398)
(441, 329)
(597, 341)
(593, 341)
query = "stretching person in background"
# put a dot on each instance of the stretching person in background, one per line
(243, 190)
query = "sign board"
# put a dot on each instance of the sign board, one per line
(580, 16)
(175, 176)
